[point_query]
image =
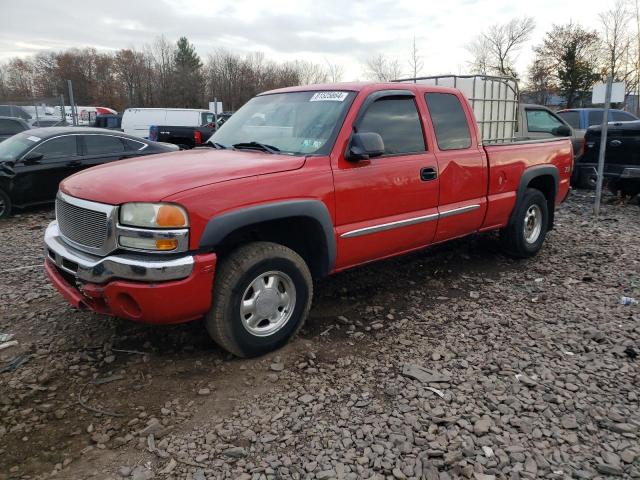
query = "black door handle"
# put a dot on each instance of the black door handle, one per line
(428, 173)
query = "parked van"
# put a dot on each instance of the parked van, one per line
(137, 121)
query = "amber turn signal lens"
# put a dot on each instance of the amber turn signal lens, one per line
(170, 216)
(167, 244)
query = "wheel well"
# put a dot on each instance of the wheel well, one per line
(547, 185)
(303, 235)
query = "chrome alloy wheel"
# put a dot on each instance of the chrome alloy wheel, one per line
(532, 224)
(268, 303)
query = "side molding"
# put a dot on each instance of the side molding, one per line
(219, 227)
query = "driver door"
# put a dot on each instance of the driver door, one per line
(38, 180)
(388, 204)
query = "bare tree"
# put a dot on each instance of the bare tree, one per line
(310, 72)
(495, 50)
(619, 59)
(415, 60)
(540, 81)
(334, 71)
(381, 69)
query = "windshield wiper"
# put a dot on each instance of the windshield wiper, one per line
(217, 146)
(257, 146)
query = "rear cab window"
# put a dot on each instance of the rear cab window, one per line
(594, 118)
(571, 117)
(396, 120)
(449, 121)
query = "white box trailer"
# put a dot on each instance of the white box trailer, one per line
(494, 101)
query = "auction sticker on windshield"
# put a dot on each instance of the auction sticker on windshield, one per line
(329, 96)
(34, 139)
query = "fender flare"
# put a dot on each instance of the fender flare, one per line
(219, 227)
(535, 172)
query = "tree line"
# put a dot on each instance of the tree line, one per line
(162, 74)
(567, 62)
(570, 58)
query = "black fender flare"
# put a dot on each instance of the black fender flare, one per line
(538, 171)
(219, 227)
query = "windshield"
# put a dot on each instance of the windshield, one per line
(14, 146)
(297, 123)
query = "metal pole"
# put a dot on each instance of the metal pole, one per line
(603, 145)
(215, 113)
(74, 118)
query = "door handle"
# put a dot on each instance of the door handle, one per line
(615, 143)
(74, 163)
(428, 173)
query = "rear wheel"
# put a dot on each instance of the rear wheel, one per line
(525, 234)
(261, 298)
(5, 205)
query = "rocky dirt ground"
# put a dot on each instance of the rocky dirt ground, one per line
(451, 363)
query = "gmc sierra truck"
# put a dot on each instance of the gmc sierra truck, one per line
(301, 183)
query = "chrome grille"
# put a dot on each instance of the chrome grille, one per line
(85, 227)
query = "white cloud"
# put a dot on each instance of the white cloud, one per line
(337, 31)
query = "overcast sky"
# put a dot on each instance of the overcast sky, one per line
(337, 31)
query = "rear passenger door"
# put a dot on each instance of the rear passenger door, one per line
(388, 204)
(99, 149)
(462, 167)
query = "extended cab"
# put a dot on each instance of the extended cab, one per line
(303, 182)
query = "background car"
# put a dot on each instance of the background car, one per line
(582, 118)
(33, 163)
(621, 162)
(9, 126)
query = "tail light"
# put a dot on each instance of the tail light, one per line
(153, 133)
(197, 137)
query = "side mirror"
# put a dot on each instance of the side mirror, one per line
(364, 146)
(32, 158)
(561, 131)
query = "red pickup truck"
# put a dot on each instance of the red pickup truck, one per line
(300, 183)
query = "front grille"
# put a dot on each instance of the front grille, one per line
(81, 225)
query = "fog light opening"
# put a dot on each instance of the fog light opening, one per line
(128, 305)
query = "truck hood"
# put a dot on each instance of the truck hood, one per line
(153, 178)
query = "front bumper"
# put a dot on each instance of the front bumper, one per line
(91, 268)
(135, 287)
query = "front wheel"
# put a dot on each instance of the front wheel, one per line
(525, 234)
(5, 204)
(261, 299)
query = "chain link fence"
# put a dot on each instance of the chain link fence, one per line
(38, 112)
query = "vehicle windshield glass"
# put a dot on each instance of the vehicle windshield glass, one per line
(297, 123)
(16, 145)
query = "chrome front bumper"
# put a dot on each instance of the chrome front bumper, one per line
(94, 269)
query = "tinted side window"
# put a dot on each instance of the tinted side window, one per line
(594, 118)
(58, 148)
(541, 121)
(572, 118)
(449, 121)
(207, 118)
(10, 127)
(396, 120)
(621, 117)
(102, 144)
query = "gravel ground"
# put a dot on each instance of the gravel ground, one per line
(451, 363)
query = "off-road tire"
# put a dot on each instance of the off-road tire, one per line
(5, 210)
(513, 237)
(234, 274)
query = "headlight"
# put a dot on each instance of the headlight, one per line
(153, 215)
